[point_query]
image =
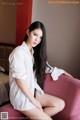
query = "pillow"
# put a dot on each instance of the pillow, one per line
(2, 69)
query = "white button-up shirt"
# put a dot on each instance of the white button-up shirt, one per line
(21, 67)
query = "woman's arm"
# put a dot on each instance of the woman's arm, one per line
(55, 72)
(27, 93)
(67, 74)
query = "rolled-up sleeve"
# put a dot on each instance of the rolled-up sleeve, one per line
(17, 65)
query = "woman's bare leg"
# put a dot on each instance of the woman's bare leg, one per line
(52, 104)
(36, 114)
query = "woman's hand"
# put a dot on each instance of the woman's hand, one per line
(67, 74)
(37, 104)
(28, 94)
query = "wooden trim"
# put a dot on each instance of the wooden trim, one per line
(7, 44)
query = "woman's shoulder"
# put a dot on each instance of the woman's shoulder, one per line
(18, 51)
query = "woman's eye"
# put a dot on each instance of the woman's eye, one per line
(35, 34)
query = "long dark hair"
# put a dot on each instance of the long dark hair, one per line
(40, 56)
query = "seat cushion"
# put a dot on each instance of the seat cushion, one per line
(12, 113)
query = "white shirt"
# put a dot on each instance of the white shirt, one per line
(21, 67)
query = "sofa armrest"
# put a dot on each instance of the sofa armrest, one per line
(67, 88)
(77, 117)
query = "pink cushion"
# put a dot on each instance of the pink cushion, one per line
(68, 89)
(12, 113)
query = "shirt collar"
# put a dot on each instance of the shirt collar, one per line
(25, 46)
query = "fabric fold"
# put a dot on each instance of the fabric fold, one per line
(54, 71)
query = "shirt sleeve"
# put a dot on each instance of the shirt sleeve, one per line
(17, 65)
(54, 71)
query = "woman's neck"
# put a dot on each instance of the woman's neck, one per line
(29, 46)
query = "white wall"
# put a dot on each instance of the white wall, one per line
(62, 23)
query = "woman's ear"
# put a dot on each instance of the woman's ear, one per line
(27, 32)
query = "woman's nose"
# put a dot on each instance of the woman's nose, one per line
(36, 39)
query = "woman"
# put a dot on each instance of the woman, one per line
(27, 64)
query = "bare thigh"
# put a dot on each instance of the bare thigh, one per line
(49, 100)
(36, 114)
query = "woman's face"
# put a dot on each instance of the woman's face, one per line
(35, 37)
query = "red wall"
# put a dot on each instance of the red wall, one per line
(23, 18)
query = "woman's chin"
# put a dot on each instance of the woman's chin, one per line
(34, 45)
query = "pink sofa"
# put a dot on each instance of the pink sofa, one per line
(66, 88)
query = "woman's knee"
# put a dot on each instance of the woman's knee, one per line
(60, 105)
